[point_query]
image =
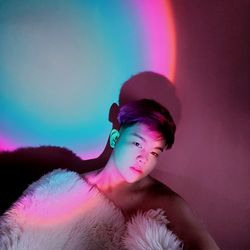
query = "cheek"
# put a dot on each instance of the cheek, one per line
(151, 164)
(124, 155)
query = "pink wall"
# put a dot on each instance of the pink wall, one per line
(209, 164)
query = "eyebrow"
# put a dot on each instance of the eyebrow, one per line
(143, 139)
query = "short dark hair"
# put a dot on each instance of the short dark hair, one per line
(150, 113)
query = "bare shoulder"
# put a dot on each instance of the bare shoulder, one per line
(183, 220)
(155, 194)
(157, 189)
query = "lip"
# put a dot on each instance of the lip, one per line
(136, 170)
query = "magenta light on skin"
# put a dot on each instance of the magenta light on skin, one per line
(62, 66)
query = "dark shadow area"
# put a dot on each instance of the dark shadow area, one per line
(208, 210)
(22, 167)
(154, 86)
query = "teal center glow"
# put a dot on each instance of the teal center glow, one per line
(62, 65)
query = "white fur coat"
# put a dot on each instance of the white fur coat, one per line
(62, 211)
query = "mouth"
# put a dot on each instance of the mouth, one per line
(136, 170)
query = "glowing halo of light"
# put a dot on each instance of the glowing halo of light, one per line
(121, 39)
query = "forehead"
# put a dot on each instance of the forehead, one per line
(144, 131)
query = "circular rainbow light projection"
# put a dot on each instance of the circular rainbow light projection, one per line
(62, 65)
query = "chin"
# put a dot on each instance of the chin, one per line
(133, 179)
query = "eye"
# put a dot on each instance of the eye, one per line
(155, 154)
(137, 144)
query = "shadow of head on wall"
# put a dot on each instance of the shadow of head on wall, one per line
(149, 85)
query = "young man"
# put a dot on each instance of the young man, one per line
(146, 129)
(65, 210)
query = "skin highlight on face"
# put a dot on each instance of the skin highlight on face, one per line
(136, 152)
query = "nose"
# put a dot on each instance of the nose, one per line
(142, 159)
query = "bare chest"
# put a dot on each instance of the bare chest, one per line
(130, 201)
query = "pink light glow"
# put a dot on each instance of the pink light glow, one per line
(6, 144)
(67, 207)
(159, 36)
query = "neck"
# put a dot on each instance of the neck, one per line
(109, 178)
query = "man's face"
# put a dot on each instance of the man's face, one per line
(136, 151)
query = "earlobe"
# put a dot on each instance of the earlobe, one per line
(114, 135)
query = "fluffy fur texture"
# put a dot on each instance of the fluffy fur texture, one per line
(62, 211)
(147, 231)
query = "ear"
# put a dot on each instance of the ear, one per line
(113, 137)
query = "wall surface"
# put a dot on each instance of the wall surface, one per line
(209, 164)
(62, 65)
